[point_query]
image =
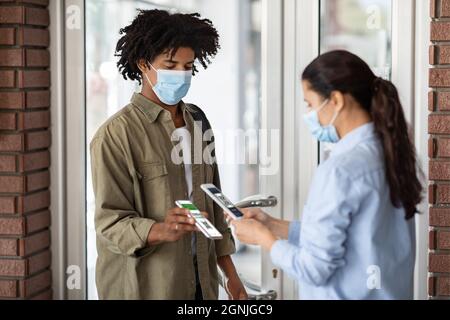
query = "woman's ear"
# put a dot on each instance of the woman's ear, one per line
(338, 100)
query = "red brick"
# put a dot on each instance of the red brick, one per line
(12, 100)
(439, 124)
(25, 288)
(432, 286)
(432, 188)
(7, 79)
(24, 58)
(432, 240)
(22, 100)
(12, 205)
(36, 222)
(439, 263)
(37, 58)
(439, 170)
(38, 262)
(432, 148)
(37, 2)
(8, 164)
(35, 284)
(33, 161)
(443, 286)
(431, 101)
(33, 79)
(33, 37)
(33, 120)
(439, 78)
(8, 288)
(445, 8)
(440, 217)
(440, 31)
(12, 58)
(33, 202)
(12, 184)
(443, 148)
(7, 36)
(8, 248)
(432, 53)
(37, 181)
(37, 140)
(34, 243)
(37, 16)
(433, 9)
(443, 240)
(443, 194)
(443, 56)
(12, 15)
(22, 226)
(443, 101)
(12, 226)
(8, 205)
(13, 268)
(11, 142)
(38, 99)
(46, 295)
(8, 121)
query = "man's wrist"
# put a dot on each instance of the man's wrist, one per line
(156, 234)
(226, 264)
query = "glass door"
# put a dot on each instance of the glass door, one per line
(228, 91)
(363, 27)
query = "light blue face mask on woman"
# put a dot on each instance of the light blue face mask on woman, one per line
(327, 134)
(171, 86)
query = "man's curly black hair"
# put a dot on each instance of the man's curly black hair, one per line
(154, 32)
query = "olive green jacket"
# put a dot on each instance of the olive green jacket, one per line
(135, 183)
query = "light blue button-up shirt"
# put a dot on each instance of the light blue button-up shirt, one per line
(352, 243)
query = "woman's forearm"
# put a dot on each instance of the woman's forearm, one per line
(279, 228)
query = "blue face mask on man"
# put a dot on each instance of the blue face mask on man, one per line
(171, 86)
(327, 134)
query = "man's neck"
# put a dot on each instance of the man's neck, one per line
(149, 94)
(175, 111)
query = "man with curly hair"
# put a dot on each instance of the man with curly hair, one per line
(147, 249)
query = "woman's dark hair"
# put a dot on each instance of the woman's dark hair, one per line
(347, 73)
(154, 32)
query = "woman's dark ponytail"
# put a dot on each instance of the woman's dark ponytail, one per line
(399, 151)
(347, 73)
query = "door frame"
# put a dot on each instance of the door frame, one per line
(271, 119)
(68, 200)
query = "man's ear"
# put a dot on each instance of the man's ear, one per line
(338, 100)
(142, 65)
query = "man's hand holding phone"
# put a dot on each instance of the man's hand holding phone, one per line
(177, 224)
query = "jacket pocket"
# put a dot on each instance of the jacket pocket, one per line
(155, 191)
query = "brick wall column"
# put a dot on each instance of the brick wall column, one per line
(439, 149)
(24, 150)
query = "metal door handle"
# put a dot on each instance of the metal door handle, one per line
(259, 295)
(258, 201)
